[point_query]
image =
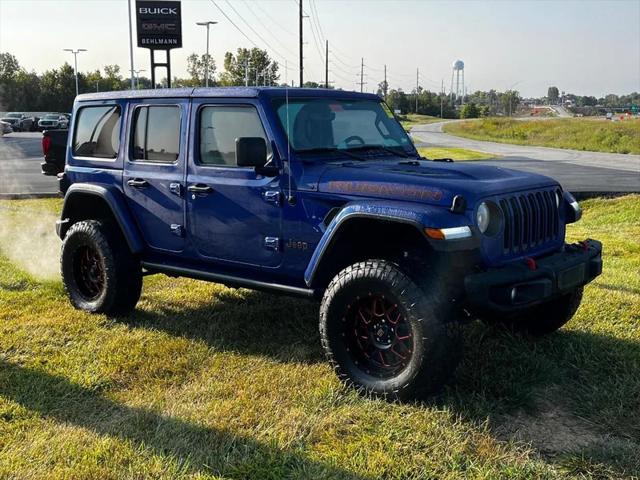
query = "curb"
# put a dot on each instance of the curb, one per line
(24, 196)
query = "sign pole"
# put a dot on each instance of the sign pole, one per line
(131, 43)
(153, 69)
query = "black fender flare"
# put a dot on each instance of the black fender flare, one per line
(114, 199)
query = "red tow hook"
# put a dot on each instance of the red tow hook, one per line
(531, 264)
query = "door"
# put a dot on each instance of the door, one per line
(154, 173)
(233, 213)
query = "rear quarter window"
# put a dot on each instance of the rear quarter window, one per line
(97, 132)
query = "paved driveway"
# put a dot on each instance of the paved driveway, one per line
(576, 170)
(20, 157)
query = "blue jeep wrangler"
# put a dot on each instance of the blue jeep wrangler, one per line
(319, 194)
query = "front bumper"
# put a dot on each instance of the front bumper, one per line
(524, 284)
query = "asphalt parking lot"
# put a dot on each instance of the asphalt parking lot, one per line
(21, 154)
(20, 157)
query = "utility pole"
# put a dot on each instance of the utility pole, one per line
(206, 65)
(441, 97)
(417, 82)
(386, 87)
(361, 74)
(257, 75)
(301, 50)
(246, 73)
(75, 62)
(326, 65)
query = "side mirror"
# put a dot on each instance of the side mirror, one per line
(251, 152)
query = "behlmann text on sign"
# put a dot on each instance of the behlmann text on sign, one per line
(159, 41)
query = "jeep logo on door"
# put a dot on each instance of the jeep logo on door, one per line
(159, 24)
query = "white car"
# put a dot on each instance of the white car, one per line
(52, 121)
(5, 128)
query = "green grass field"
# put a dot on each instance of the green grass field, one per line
(574, 133)
(209, 382)
(458, 154)
(412, 119)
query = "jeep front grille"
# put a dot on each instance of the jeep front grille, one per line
(530, 220)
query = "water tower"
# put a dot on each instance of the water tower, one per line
(457, 72)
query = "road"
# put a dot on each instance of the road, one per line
(20, 157)
(576, 170)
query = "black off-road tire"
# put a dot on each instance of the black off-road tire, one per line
(542, 319)
(115, 281)
(435, 333)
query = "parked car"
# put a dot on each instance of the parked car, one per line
(5, 127)
(53, 121)
(319, 194)
(19, 121)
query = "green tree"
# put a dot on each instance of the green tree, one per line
(469, 110)
(256, 63)
(9, 71)
(553, 95)
(509, 101)
(113, 79)
(196, 66)
(398, 100)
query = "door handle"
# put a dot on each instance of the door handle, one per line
(137, 183)
(200, 188)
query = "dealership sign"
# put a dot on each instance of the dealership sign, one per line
(159, 24)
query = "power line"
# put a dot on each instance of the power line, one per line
(278, 23)
(265, 28)
(315, 9)
(232, 23)
(253, 30)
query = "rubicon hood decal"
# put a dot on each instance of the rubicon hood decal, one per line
(387, 190)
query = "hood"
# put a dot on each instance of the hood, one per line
(426, 181)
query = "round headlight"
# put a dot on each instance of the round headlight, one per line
(482, 217)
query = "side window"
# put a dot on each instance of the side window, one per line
(97, 132)
(156, 133)
(219, 128)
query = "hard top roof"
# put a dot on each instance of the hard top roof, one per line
(222, 92)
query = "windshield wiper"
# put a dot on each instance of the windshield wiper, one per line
(384, 148)
(331, 150)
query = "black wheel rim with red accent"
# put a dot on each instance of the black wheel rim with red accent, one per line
(379, 339)
(89, 272)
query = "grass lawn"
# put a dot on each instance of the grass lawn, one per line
(575, 133)
(209, 382)
(412, 119)
(458, 154)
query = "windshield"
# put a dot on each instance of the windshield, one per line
(14, 115)
(51, 117)
(321, 124)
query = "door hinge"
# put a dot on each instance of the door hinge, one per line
(177, 230)
(272, 196)
(272, 243)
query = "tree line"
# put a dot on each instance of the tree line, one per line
(54, 90)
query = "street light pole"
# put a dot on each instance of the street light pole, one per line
(206, 65)
(75, 62)
(137, 73)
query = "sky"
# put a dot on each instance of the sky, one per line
(582, 47)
